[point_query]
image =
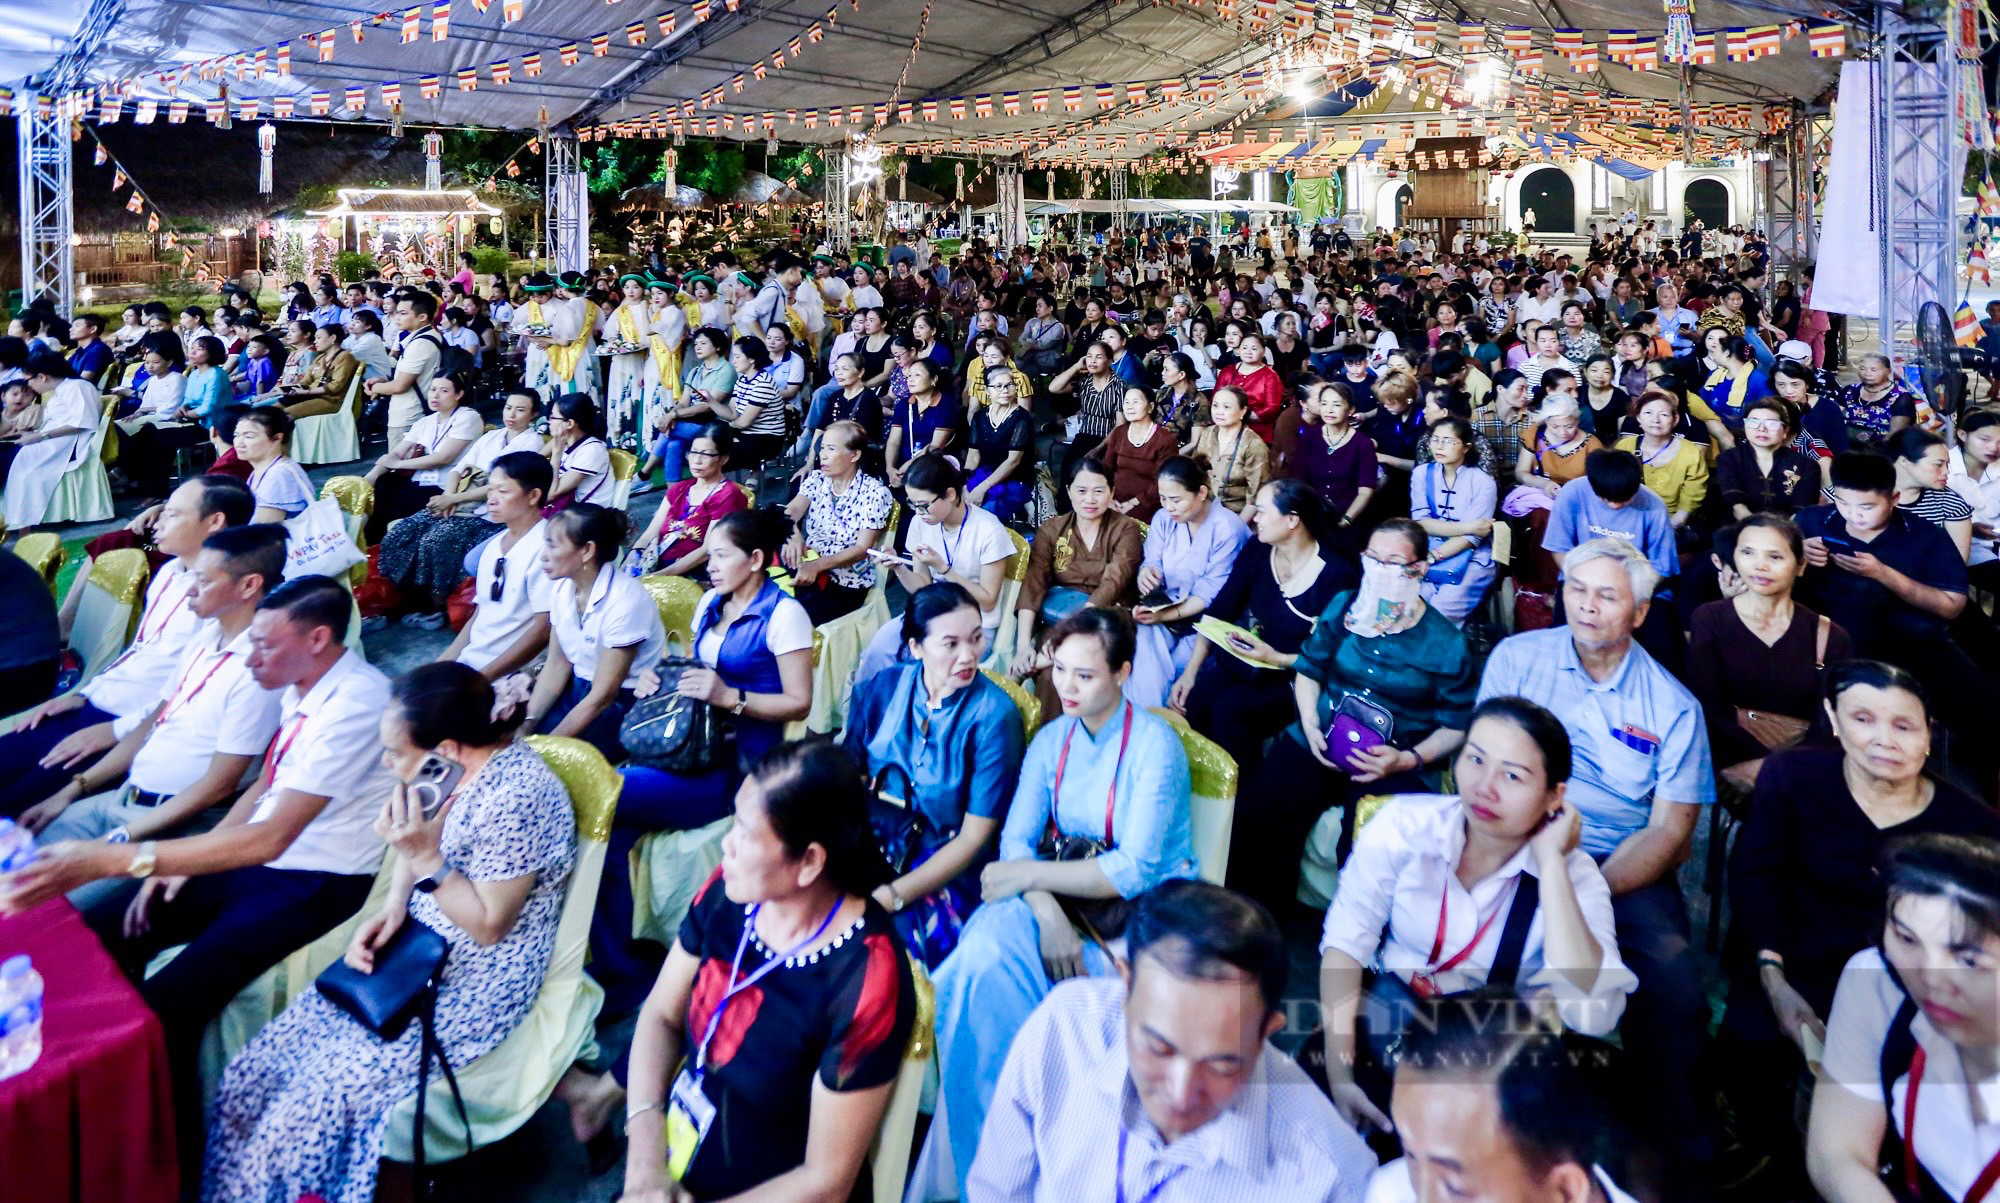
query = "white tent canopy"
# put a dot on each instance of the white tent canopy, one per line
(1141, 206)
(969, 47)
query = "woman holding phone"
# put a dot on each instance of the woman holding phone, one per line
(1384, 689)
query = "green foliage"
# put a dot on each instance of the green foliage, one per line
(490, 260)
(353, 265)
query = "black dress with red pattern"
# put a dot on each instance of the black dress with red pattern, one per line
(842, 1014)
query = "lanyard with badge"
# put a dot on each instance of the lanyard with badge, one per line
(690, 1114)
(1124, 1134)
(1981, 1186)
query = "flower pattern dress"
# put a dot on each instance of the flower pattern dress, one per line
(304, 1107)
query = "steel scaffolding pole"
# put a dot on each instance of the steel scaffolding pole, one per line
(566, 205)
(1917, 169)
(839, 207)
(1010, 185)
(1786, 181)
(48, 263)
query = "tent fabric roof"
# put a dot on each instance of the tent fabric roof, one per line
(969, 47)
(404, 202)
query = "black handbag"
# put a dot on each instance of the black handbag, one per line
(900, 827)
(402, 988)
(684, 736)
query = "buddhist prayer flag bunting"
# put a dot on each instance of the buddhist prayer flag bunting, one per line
(1827, 41)
(441, 21)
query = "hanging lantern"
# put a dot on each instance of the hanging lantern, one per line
(222, 99)
(267, 145)
(770, 148)
(903, 180)
(1051, 177)
(670, 183)
(395, 121)
(433, 161)
(958, 172)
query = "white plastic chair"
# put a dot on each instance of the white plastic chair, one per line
(1001, 654)
(84, 492)
(333, 438)
(1212, 778)
(112, 589)
(504, 1088)
(624, 465)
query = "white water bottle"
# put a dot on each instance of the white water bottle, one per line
(20, 1016)
(17, 846)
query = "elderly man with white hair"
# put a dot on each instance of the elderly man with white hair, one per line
(1642, 776)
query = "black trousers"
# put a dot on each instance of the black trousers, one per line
(236, 925)
(23, 780)
(1274, 817)
(1240, 708)
(397, 495)
(147, 455)
(825, 601)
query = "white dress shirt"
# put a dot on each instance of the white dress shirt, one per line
(329, 743)
(1951, 1143)
(1528, 308)
(1052, 1133)
(1983, 495)
(524, 592)
(1392, 1184)
(213, 707)
(1406, 860)
(131, 685)
(619, 613)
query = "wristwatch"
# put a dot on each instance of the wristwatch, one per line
(429, 882)
(742, 700)
(143, 860)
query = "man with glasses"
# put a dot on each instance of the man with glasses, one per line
(510, 619)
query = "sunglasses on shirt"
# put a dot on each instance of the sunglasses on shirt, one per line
(499, 579)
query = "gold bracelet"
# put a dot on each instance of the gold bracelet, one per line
(632, 1113)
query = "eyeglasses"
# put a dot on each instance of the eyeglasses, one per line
(1765, 423)
(1446, 440)
(499, 579)
(926, 505)
(1411, 568)
(691, 453)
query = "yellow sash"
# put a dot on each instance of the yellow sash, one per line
(669, 361)
(798, 324)
(628, 327)
(692, 308)
(563, 357)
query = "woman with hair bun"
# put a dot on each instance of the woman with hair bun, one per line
(792, 1049)
(303, 1108)
(754, 645)
(605, 631)
(1190, 549)
(942, 745)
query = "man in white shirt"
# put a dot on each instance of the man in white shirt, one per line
(295, 857)
(68, 734)
(193, 750)
(510, 617)
(1491, 1105)
(417, 359)
(1169, 1066)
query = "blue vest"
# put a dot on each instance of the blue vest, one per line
(746, 664)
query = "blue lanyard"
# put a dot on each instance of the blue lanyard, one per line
(735, 987)
(1125, 1134)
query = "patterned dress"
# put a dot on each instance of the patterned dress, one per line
(304, 1107)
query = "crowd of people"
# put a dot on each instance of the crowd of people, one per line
(1264, 492)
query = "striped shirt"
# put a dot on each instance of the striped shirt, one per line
(1065, 1102)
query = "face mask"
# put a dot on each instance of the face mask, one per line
(1391, 583)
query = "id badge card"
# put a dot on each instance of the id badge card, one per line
(689, 1117)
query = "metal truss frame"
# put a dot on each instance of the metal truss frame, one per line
(566, 205)
(1010, 184)
(47, 165)
(839, 206)
(1917, 164)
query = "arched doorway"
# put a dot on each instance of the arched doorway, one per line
(1549, 195)
(1706, 200)
(1390, 201)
